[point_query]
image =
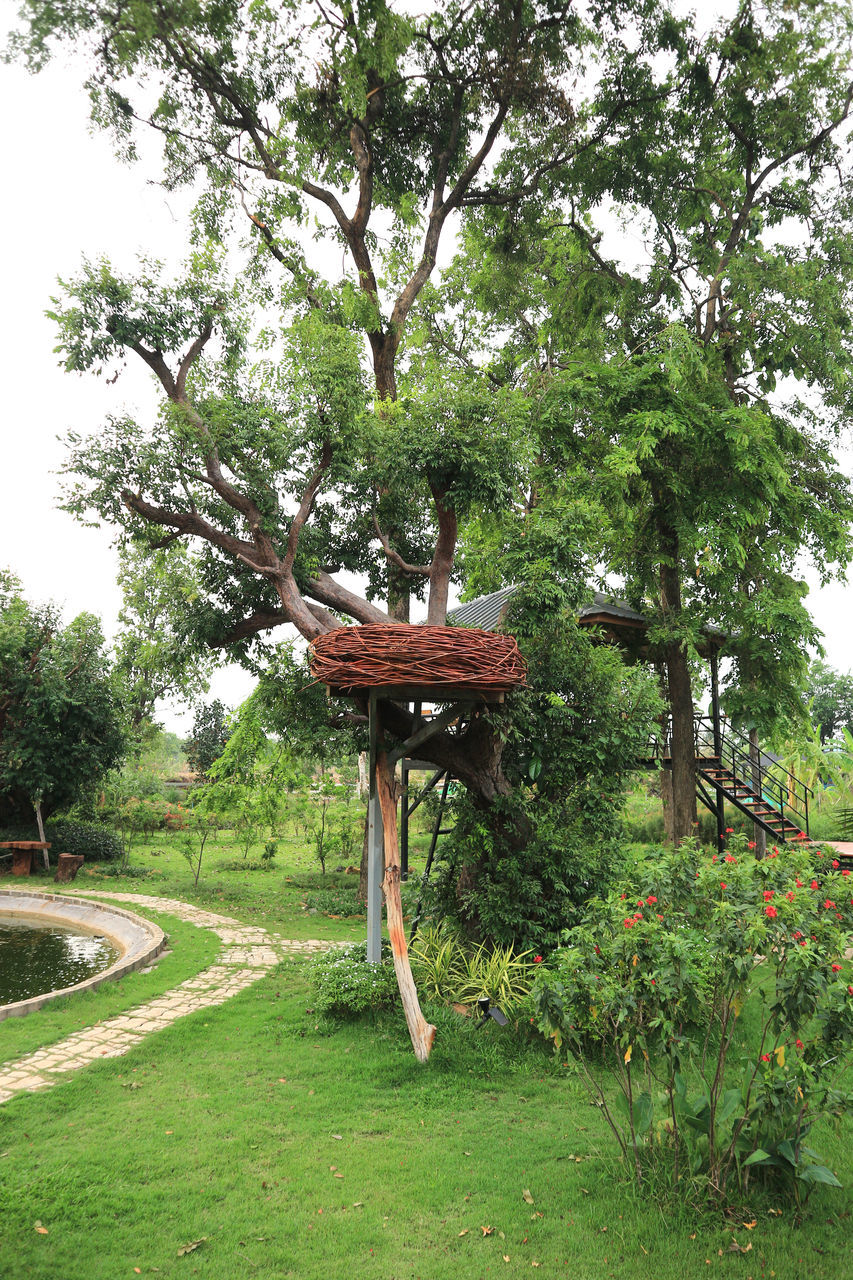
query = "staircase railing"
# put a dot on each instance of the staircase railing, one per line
(764, 776)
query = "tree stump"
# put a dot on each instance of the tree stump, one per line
(67, 866)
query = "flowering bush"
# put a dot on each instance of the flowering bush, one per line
(723, 971)
(346, 983)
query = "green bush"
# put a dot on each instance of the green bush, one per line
(96, 842)
(715, 990)
(446, 969)
(346, 984)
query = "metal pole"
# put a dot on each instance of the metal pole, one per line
(404, 820)
(375, 846)
(718, 749)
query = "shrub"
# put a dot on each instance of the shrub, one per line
(97, 843)
(727, 971)
(448, 970)
(347, 984)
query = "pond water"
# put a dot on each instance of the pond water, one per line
(36, 957)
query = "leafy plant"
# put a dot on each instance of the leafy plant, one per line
(727, 971)
(450, 971)
(94, 841)
(346, 983)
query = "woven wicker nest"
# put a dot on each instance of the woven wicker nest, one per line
(401, 655)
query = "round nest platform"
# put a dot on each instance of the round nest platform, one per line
(399, 655)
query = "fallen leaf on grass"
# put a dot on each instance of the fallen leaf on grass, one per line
(138, 1270)
(40, 1229)
(339, 1175)
(339, 1137)
(192, 1246)
(734, 1247)
(487, 1231)
(750, 1225)
(358, 1204)
(526, 1196)
(464, 1233)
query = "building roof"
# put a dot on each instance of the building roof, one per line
(488, 612)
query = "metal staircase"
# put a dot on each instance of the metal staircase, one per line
(758, 785)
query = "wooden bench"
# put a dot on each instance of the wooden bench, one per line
(22, 854)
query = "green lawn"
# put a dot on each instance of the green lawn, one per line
(232, 1126)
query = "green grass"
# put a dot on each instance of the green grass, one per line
(224, 1126)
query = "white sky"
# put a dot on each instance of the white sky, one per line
(66, 196)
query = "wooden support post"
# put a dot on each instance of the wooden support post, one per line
(421, 1031)
(375, 847)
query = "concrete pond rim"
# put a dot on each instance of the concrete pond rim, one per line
(139, 941)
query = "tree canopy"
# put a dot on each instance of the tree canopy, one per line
(61, 721)
(552, 403)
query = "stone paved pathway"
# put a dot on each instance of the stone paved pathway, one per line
(248, 952)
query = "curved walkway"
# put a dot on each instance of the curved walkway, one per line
(248, 952)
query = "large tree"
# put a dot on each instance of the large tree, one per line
(375, 128)
(693, 373)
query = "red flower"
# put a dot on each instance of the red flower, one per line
(629, 924)
(765, 1057)
(835, 864)
(803, 943)
(621, 895)
(798, 935)
(846, 871)
(730, 831)
(730, 858)
(836, 968)
(800, 1044)
(814, 884)
(538, 959)
(641, 902)
(790, 895)
(722, 884)
(829, 905)
(653, 982)
(771, 912)
(801, 835)
(768, 894)
(850, 991)
(798, 882)
(714, 858)
(751, 844)
(597, 951)
(650, 900)
(659, 916)
(775, 850)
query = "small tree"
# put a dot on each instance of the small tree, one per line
(209, 737)
(830, 694)
(61, 722)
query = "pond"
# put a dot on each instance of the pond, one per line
(36, 956)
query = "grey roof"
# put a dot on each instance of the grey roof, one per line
(487, 612)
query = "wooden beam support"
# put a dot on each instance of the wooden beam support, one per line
(422, 1032)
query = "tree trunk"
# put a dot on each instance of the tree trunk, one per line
(683, 747)
(666, 804)
(680, 695)
(422, 1032)
(42, 836)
